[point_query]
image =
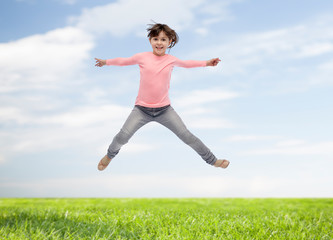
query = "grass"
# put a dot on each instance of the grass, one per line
(166, 218)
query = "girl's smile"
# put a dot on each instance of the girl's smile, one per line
(160, 44)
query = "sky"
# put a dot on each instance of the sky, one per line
(267, 107)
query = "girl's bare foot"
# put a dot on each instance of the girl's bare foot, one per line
(221, 163)
(103, 163)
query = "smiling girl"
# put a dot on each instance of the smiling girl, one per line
(152, 102)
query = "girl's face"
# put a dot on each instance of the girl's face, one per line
(160, 44)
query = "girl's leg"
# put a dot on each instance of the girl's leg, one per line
(172, 121)
(134, 121)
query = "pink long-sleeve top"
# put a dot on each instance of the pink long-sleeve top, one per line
(155, 75)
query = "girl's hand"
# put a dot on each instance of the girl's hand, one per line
(100, 62)
(213, 62)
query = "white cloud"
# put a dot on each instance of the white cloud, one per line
(200, 97)
(9, 114)
(295, 42)
(139, 147)
(195, 108)
(321, 75)
(137, 185)
(279, 52)
(239, 138)
(131, 186)
(110, 18)
(210, 123)
(326, 66)
(39, 60)
(61, 130)
(177, 14)
(296, 147)
(290, 143)
(86, 116)
(77, 117)
(201, 31)
(2, 159)
(314, 49)
(78, 127)
(304, 186)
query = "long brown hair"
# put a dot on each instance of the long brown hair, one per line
(155, 29)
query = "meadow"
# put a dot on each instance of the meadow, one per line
(131, 218)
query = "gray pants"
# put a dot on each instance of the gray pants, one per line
(166, 116)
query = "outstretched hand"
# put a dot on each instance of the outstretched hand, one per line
(100, 62)
(213, 62)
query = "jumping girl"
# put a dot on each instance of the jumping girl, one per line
(152, 102)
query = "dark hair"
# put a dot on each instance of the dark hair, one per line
(155, 29)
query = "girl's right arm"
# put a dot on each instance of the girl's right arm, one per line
(117, 61)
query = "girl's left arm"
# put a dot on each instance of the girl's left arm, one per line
(195, 63)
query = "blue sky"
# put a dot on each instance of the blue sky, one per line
(267, 107)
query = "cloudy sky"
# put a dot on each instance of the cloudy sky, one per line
(267, 107)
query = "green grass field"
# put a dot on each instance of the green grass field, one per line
(166, 218)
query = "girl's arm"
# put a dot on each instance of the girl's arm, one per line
(117, 61)
(195, 63)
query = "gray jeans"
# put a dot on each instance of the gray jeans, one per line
(166, 116)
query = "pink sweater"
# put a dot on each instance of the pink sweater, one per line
(155, 75)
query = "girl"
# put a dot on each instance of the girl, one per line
(152, 102)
